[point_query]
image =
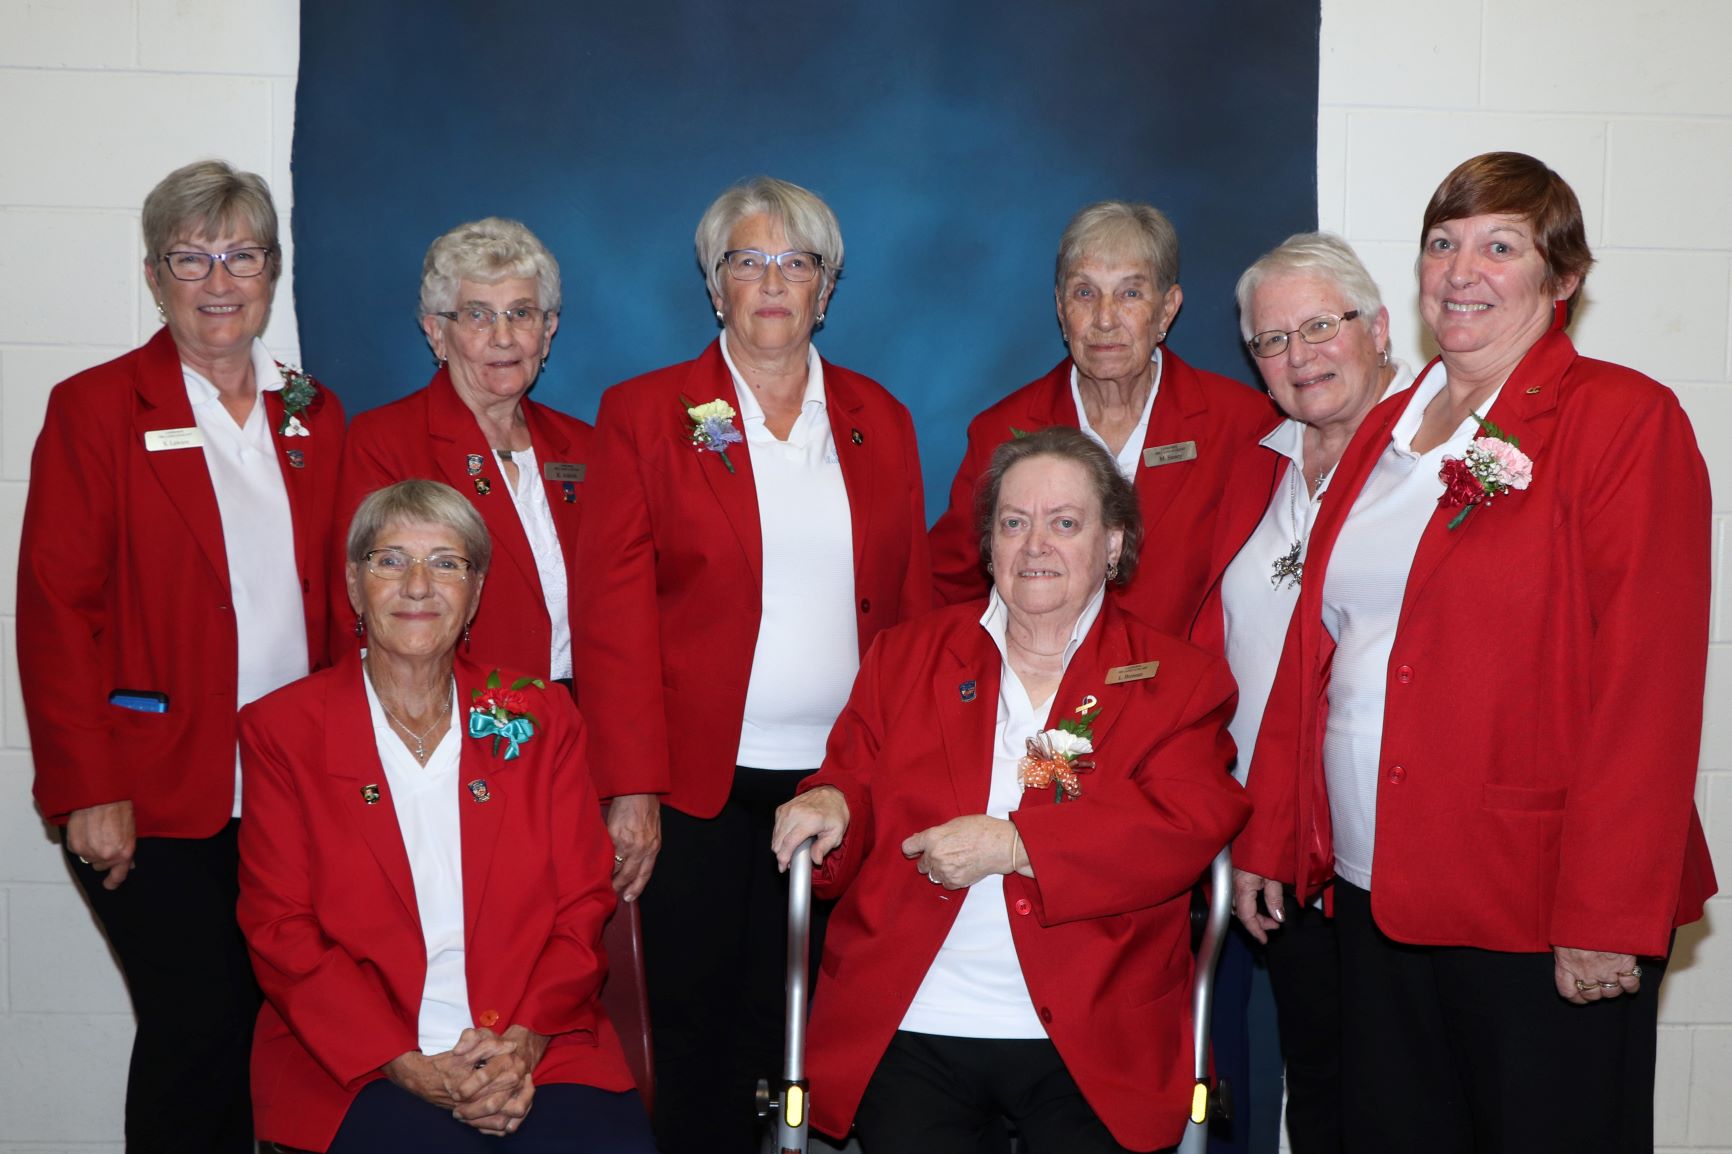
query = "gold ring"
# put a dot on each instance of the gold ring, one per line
(1584, 987)
(1633, 972)
(617, 860)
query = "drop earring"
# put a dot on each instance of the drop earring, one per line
(161, 314)
(360, 625)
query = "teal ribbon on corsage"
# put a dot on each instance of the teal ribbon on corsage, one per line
(514, 732)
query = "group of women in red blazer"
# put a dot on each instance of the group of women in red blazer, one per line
(1533, 805)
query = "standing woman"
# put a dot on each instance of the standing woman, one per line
(1487, 719)
(1176, 432)
(1314, 320)
(755, 521)
(490, 303)
(173, 568)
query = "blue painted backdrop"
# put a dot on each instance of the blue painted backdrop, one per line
(953, 139)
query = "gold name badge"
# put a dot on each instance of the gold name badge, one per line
(1142, 671)
(1169, 454)
(563, 471)
(158, 440)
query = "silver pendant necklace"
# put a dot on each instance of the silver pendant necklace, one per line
(420, 739)
(1289, 566)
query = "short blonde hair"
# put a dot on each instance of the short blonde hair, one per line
(208, 198)
(1121, 228)
(420, 502)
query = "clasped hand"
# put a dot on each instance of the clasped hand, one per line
(484, 1080)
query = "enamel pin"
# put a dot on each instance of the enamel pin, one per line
(483, 486)
(569, 491)
(370, 794)
(966, 689)
(856, 436)
(478, 790)
(473, 463)
(297, 459)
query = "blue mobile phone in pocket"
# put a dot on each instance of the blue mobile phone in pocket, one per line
(140, 700)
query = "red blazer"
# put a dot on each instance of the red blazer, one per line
(328, 903)
(123, 583)
(671, 592)
(1102, 931)
(1179, 500)
(431, 434)
(1545, 689)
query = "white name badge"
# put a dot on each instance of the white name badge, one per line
(159, 440)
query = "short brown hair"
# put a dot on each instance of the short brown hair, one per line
(1119, 508)
(1516, 184)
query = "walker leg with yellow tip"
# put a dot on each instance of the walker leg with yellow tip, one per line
(790, 1100)
(1208, 1100)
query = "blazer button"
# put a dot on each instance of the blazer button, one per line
(487, 1018)
(1022, 907)
(865, 604)
(1404, 674)
(1046, 1015)
(1397, 774)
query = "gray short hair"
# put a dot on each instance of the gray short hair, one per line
(1319, 254)
(803, 215)
(209, 198)
(487, 251)
(420, 502)
(1119, 508)
(1121, 228)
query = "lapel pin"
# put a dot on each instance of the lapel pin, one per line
(297, 459)
(966, 689)
(478, 790)
(370, 794)
(483, 486)
(1532, 389)
(570, 492)
(856, 436)
(1089, 703)
(473, 464)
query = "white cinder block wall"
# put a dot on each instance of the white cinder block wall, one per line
(1632, 106)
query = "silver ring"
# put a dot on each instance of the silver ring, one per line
(84, 859)
(1608, 985)
(933, 880)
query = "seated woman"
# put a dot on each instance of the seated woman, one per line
(1042, 972)
(423, 893)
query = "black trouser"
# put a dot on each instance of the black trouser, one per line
(570, 1119)
(715, 922)
(942, 1095)
(1305, 971)
(1450, 1050)
(172, 924)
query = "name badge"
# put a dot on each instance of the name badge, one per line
(1142, 671)
(1169, 454)
(563, 471)
(159, 440)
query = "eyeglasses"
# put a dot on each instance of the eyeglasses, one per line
(751, 264)
(394, 565)
(185, 264)
(1316, 331)
(523, 318)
